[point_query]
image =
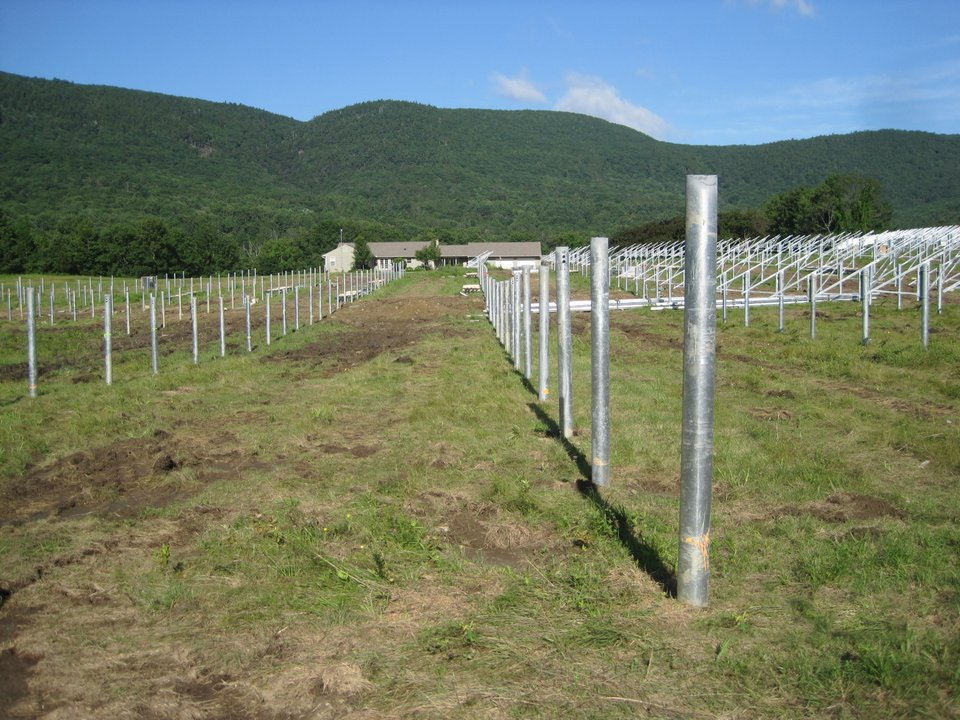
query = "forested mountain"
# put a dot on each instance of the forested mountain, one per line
(118, 156)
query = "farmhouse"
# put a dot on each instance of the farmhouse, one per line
(502, 254)
(340, 259)
(505, 255)
(385, 253)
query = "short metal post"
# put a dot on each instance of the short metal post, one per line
(515, 326)
(126, 293)
(223, 331)
(923, 279)
(283, 312)
(527, 327)
(107, 340)
(194, 331)
(267, 304)
(296, 309)
(699, 369)
(248, 301)
(544, 331)
(564, 342)
(31, 343)
(813, 305)
(154, 359)
(780, 294)
(940, 287)
(865, 303)
(746, 305)
(600, 359)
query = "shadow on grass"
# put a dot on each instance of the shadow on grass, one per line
(644, 554)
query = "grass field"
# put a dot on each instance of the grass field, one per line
(374, 517)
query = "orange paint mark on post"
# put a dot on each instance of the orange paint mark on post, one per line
(702, 544)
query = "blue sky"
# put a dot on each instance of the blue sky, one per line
(711, 72)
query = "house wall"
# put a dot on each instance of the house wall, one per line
(340, 259)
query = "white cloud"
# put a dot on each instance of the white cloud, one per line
(592, 96)
(804, 7)
(519, 88)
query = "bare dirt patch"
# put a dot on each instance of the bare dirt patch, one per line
(375, 328)
(121, 479)
(495, 540)
(844, 506)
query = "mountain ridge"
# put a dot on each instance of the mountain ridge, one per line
(116, 154)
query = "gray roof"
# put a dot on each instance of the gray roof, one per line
(396, 249)
(497, 249)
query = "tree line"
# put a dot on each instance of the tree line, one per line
(76, 245)
(841, 203)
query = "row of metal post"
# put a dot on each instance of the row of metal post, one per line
(504, 308)
(365, 285)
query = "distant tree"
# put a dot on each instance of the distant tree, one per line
(742, 224)
(362, 257)
(841, 203)
(653, 232)
(16, 244)
(430, 254)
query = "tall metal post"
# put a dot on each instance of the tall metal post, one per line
(564, 342)
(107, 339)
(600, 359)
(527, 327)
(923, 280)
(544, 331)
(31, 343)
(699, 370)
(283, 311)
(154, 359)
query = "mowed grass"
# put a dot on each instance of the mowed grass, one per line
(407, 537)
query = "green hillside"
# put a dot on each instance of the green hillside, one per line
(119, 156)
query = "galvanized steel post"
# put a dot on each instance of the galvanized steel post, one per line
(154, 361)
(564, 342)
(865, 303)
(813, 305)
(699, 369)
(923, 280)
(248, 301)
(195, 335)
(544, 331)
(600, 359)
(296, 309)
(107, 340)
(780, 298)
(516, 319)
(267, 303)
(31, 343)
(527, 327)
